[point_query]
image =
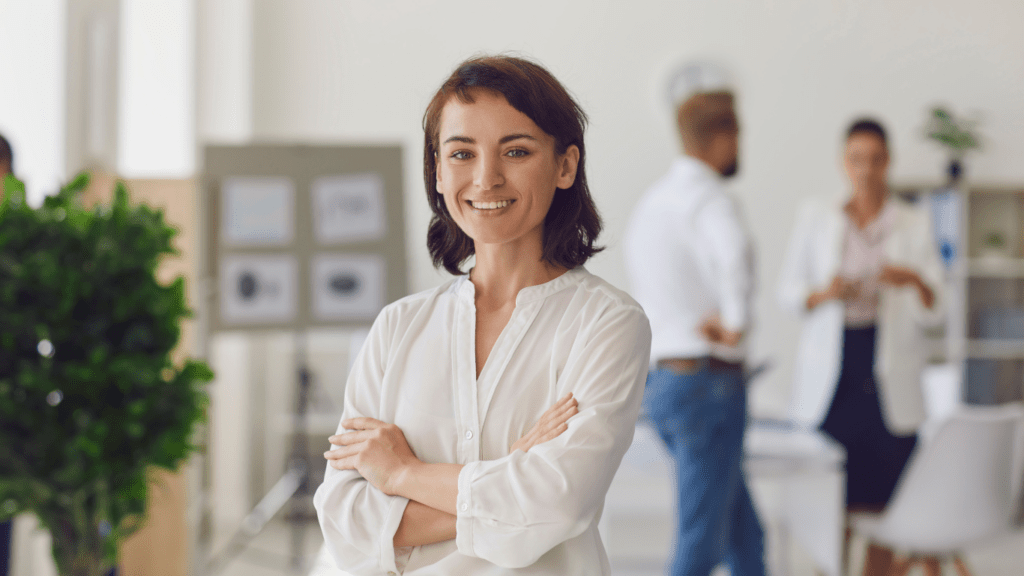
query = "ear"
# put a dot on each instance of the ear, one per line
(437, 173)
(568, 162)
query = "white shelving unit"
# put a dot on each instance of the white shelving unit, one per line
(985, 285)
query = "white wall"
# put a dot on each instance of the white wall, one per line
(347, 70)
(224, 83)
(32, 115)
(157, 115)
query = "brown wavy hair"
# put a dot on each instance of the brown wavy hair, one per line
(572, 224)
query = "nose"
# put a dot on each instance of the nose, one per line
(489, 172)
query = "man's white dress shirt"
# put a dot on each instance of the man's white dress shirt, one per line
(520, 513)
(689, 256)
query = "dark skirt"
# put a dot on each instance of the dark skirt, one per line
(875, 457)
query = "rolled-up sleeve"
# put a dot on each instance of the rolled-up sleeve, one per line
(513, 510)
(359, 521)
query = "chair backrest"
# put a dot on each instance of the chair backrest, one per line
(959, 487)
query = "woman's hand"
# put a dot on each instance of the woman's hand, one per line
(839, 289)
(902, 276)
(377, 450)
(551, 424)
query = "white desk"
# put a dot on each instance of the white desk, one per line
(639, 515)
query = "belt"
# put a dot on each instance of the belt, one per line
(692, 365)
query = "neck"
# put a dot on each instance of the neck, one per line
(706, 159)
(502, 270)
(865, 205)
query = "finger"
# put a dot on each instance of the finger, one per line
(343, 463)
(560, 403)
(362, 423)
(554, 433)
(340, 453)
(566, 412)
(561, 419)
(552, 418)
(349, 438)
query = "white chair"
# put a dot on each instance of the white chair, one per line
(960, 487)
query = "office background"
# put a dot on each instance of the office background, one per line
(187, 73)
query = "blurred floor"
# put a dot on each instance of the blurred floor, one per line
(269, 555)
(270, 552)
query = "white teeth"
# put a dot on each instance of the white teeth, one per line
(490, 205)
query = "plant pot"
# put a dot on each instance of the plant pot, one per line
(77, 552)
(954, 171)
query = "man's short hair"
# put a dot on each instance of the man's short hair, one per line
(704, 116)
(6, 154)
(867, 126)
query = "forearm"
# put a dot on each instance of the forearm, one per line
(435, 485)
(422, 525)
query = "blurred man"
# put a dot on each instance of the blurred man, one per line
(6, 167)
(690, 262)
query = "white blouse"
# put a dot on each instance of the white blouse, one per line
(520, 513)
(862, 262)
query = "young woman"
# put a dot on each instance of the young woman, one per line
(865, 275)
(462, 449)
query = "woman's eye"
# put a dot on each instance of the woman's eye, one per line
(518, 153)
(461, 155)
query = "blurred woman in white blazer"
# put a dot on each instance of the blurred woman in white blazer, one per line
(865, 275)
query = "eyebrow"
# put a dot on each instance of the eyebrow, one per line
(504, 139)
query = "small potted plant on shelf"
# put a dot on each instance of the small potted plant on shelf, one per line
(956, 135)
(994, 248)
(91, 400)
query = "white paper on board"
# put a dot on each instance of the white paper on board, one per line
(347, 287)
(257, 211)
(349, 208)
(258, 289)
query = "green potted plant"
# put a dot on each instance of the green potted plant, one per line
(90, 398)
(956, 135)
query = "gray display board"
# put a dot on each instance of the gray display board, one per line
(296, 237)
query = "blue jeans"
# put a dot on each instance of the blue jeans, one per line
(701, 417)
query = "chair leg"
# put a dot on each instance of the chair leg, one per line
(961, 566)
(878, 560)
(901, 566)
(931, 566)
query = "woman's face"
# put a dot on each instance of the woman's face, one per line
(498, 171)
(866, 160)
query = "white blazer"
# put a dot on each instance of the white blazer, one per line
(811, 263)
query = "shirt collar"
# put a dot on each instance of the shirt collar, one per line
(879, 228)
(692, 167)
(467, 291)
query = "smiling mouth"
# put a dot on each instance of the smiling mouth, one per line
(490, 205)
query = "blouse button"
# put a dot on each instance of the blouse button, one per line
(465, 506)
(469, 434)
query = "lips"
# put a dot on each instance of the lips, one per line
(490, 205)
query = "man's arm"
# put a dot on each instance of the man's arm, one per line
(734, 262)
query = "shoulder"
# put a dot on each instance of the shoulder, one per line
(905, 211)
(603, 300)
(401, 311)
